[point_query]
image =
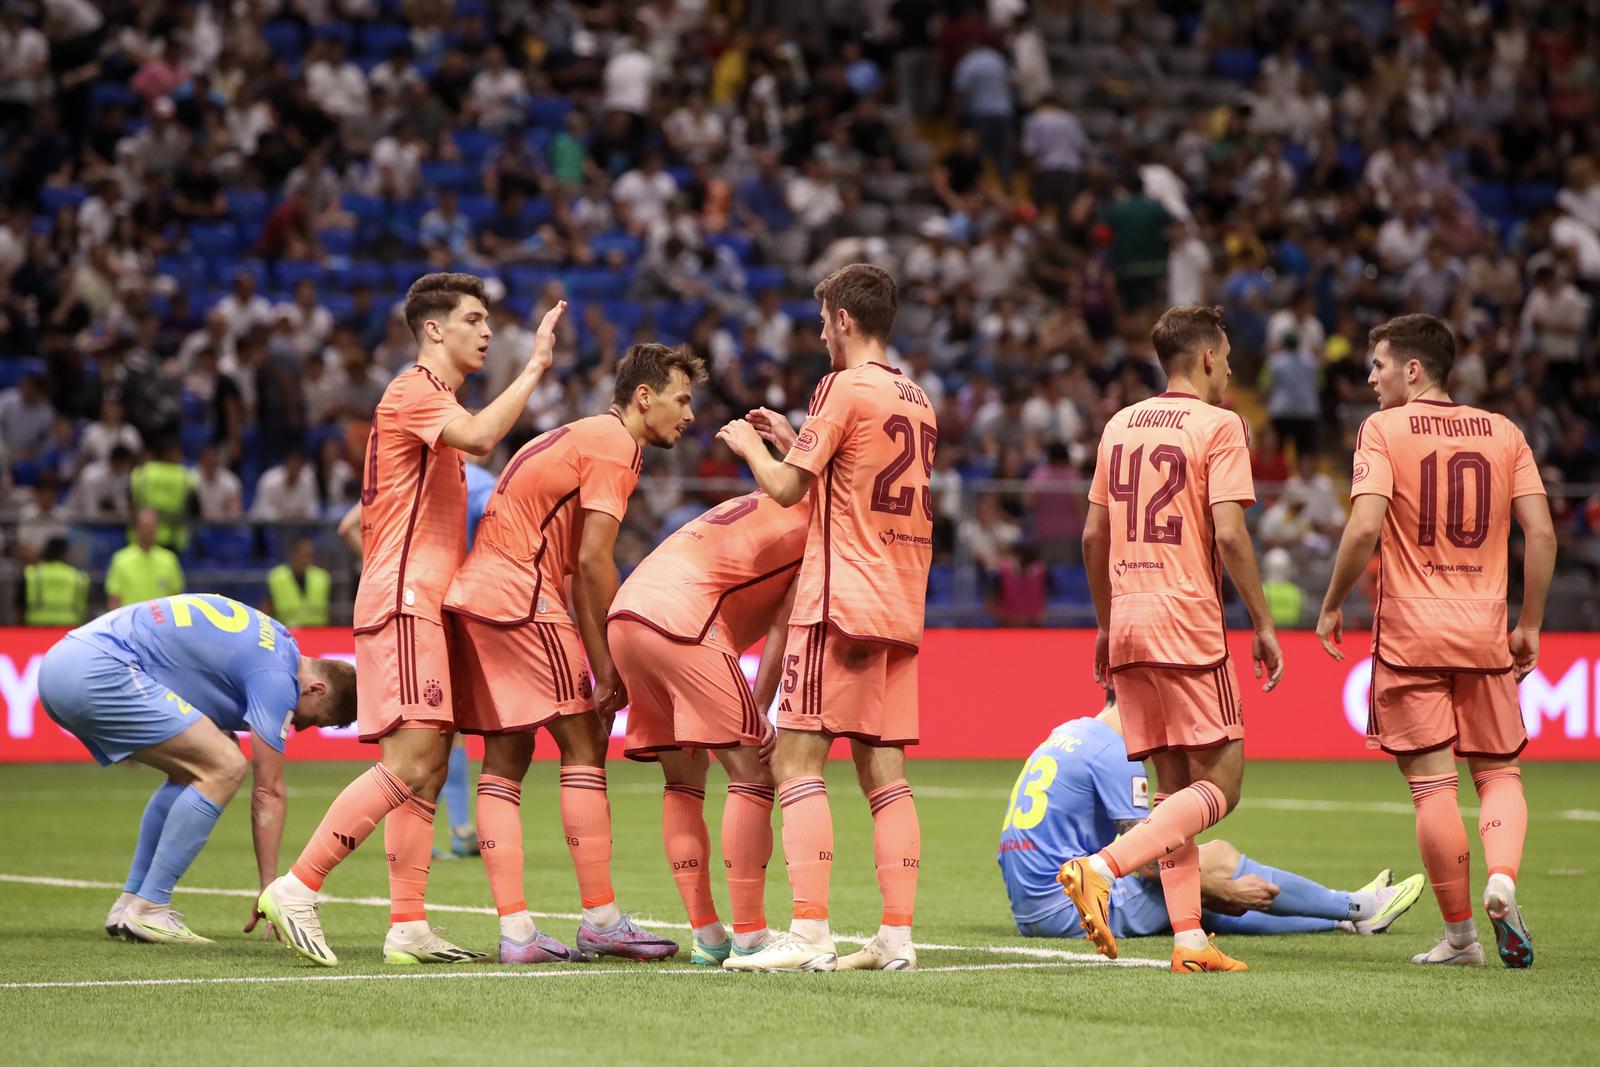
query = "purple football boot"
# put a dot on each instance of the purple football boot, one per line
(540, 948)
(625, 941)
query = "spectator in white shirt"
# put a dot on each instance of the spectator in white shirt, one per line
(1403, 239)
(244, 309)
(645, 192)
(287, 492)
(1055, 145)
(694, 131)
(1553, 318)
(337, 85)
(310, 324)
(24, 62)
(1188, 266)
(1298, 320)
(998, 264)
(220, 495)
(773, 325)
(629, 79)
(110, 432)
(100, 493)
(813, 195)
(395, 168)
(499, 91)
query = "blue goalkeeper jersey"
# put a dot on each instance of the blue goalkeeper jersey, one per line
(1067, 802)
(480, 487)
(237, 666)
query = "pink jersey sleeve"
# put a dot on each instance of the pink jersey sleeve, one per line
(1372, 471)
(606, 481)
(426, 409)
(1097, 487)
(1228, 465)
(827, 422)
(1525, 477)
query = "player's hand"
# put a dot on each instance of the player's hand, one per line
(1252, 893)
(769, 742)
(610, 696)
(544, 340)
(772, 427)
(1330, 631)
(268, 931)
(741, 438)
(1524, 651)
(1268, 658)
(1102, 658)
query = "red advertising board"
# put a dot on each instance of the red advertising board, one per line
(996, 693)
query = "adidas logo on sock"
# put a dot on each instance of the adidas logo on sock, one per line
(346, 840)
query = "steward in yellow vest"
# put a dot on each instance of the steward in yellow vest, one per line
(55, 593)
(298, 590)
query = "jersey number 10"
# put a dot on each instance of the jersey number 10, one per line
(1457, 469)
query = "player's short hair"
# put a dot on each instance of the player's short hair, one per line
(1420, 337)
(867, 292)
(1181, 332)
(652, 364)
(434, 296)
(341, 698)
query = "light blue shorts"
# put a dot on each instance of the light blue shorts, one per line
(113, 707)
(1138, 909)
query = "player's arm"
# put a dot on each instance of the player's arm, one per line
(1367, 513)
(1538, 566)
(1097, 562)
(783, 482)
(770, 669)
(1235, 896)
(269, 803)
(1239, 557)
(478, 434)
(593, 588)
(772, 427)
(350, 527)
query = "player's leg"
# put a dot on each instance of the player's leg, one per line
(211, 769)
(506, 757)
(455, 800)
(747, 843)
(897, 851)
(150, 826)
(688, 847)
(1492, 735)
(797, 764)
(586, 821)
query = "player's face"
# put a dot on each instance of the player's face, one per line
(1387, 377)
(833, 337)
(466, 334)
(1217, 380)
(671, 411)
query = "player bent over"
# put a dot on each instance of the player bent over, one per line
(413, 536)
(677, 629)
(518, 653)
(1437, 483)
(1171, 482)
(864, 456)
(159, 683)
(1079, 789)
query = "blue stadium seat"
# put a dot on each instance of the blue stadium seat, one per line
(1069, 584)
(225, 270)
(1236, 64)
(189, 272)
(625, 315)
(52, 198)
(12, 370)
(339, 305)
(1530, 196)
(334, 31)
(477, 207)
(475, 145)
(527, 279)
(603, 244)
(248, 208)
(737, 243)
(598, 284)
(103, 94)
(1352, 157)
(26, 472)
(549, 112)
(1492, 198)
(104, 541)
(676, 318)
(337, 241)
(378, 39)
(447, 174)
(43, 225)
(757, 279)
(285, 39)
(214, 240)
(366, 272)
(291, 272)
(223, 546)
(941, 584)
(804, 313)
(406, 271)
(195, 435)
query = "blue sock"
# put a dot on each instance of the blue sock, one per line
(1261, 922)
(1298, 896)
(454, 796)
(155, 817)
(189, 823)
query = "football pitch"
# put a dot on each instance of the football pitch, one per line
(69, 994)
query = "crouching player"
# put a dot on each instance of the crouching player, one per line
(676, 631)
(1079, 790)
(159, 683)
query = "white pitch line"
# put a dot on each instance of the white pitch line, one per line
(453, 975)
(458, 909)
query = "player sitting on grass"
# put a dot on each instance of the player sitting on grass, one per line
(159, 683)
(1079, 790)
(677, 629)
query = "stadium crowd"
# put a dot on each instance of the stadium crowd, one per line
(210, 210)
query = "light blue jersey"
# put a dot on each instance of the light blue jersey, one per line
(1067, 802)
(139, 675)
(480, 487)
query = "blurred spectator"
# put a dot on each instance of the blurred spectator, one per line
(1293, 406)
(989, 533)
(982, 85)
(26, 417)
(298, 591)
(162, 484)
(287, 492)
(217, 489)
(108, 433)
(1554, 321)
(143, 570)
(1285, 600)
(54, 592)
(1020, 588)
(100, 493)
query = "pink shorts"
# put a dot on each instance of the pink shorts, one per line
(865, 690)
(1165, 708)
(1415, 711)
(681, 695)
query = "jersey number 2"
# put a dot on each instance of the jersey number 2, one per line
(1031, 785)
(910, 435)
(1157, 531)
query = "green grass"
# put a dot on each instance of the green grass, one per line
(1309, 999)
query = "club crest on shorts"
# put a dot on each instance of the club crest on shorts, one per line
(585, 685)
(432, 693)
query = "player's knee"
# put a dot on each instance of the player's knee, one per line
(1220, 855)
(226, 771)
